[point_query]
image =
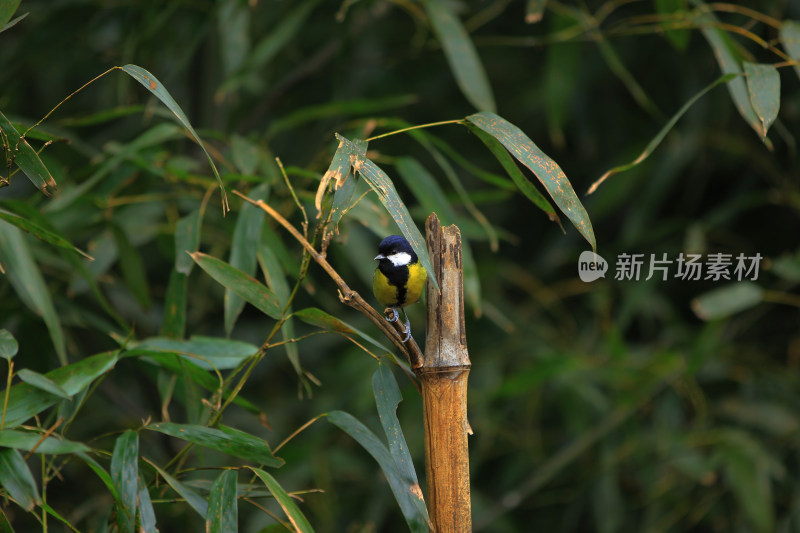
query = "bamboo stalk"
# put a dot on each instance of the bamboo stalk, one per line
(443, 374)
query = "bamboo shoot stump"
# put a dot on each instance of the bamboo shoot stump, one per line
(443, 373)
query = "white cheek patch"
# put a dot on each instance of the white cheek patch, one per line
(399, 258)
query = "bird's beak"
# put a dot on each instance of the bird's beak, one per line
(380, 256)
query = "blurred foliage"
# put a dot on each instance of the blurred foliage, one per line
(604, 406)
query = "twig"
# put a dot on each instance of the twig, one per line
(348, 296)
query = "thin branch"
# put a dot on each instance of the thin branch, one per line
(348, 296)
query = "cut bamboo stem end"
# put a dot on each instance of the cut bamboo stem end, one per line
(444, 373)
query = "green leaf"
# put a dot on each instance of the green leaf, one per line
(7, 10)
(147, 515)
(339, 172)
(132, 266)
(432, 199)
(381, 184)
(653, 144)
(764, 86)
(790, 38)
(27, 440)
(523, 184)
(16, 478)
(461, 55)
(41, 233)
(25, 401)
(402, 490)
(206, 352)
(223, 510)
(152, 84)
(387, 398)
(727, 300)
(173, 323)
(240, 283)
(728, 64)
(28, 283)
(39, 381)
(547, 170)
(228, 441)
(26, 158)
(101, 473)
(321, 319)
(194, 500)
(125, 476)
(187, 240)
(534, 10)
(184, 368)
(293, 513)
(8, 345)
(244, 246)
(12, 23)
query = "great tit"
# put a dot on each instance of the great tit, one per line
(399, 278)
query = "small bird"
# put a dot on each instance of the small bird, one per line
(399, 278)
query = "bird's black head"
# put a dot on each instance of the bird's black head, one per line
(396, 250)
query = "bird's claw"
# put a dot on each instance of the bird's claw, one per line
(408, 330)
(395, 317)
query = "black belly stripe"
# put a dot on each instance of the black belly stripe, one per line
(398, 276)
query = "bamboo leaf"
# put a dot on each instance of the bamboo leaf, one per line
(244, 247)
(194, 500)
(35, 379)
(187, 240)
(321, 319)
(653, 144)
(205, 352)
(523, 184)
(461, 55)
(381, 184)
(339, 172)
(16, 478)
(8, 345)
(432, 199)
(183, 367)
(101, 473)
(27, 440)
(125, 476)
(764, 86)
(727, 300)
(247, 287)
(408, 502)
(547, 170)
(790, 38)
(147, 515)
(223, 510)
(728, 64)
(26, 158)
(28, 283)
(387, 398)
(41, 233)
(7, 10)
(228, 441)
(25, 401)
(293, 513)
(152, 84)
